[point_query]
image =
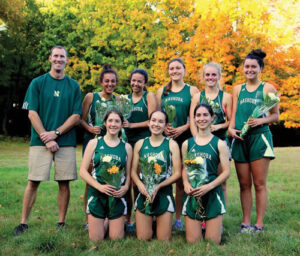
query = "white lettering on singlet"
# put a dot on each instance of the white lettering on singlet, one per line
(202, 154)
(138, 109)
(158, 156)
(174, 99)
(250, 100)
(113, 157)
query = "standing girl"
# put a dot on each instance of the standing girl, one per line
(165, 153)
(252, 154)
(104, 201)
(136, 126)
(213, 151)
(212, 76)
(177, 95)
(108, 80)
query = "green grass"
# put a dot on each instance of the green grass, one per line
(282, 221)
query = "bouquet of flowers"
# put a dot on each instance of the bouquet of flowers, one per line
(152, 175)
(112, 174)
(171, 113)
(197, 174)
(125, 106)
(100, 111)
(269, 102)
(215, 106)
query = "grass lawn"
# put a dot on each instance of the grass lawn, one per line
(282, 220)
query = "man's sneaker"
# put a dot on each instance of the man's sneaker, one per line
(86, 226)
(60, 225)
(246, 228)
(177, 225)
(258, 228)
(20, 229)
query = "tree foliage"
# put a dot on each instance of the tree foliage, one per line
(147, 34)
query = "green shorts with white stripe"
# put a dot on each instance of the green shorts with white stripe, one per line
(163, 202)
(254, 147)
(101, 205)
(210, 206)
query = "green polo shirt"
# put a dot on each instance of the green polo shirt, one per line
(55, 100)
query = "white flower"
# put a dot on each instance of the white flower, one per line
(106, 159)
(199, 160)
(124, 96)
(103, 105)
(103, 99)
(151, 158)
(273, 96)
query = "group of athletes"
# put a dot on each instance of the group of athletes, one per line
(198, 130)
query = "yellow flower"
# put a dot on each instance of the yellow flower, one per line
(157, 168)
(188, 161)
(113, 169)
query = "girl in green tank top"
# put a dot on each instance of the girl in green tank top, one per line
(213, 151)
(252, 154)
(112, 150)
(177, 95)
(211, 75)
(165, 152)
(108, 80)
(136, 126)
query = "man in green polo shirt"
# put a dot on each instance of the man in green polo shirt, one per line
(53, 101)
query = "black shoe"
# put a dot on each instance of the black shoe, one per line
(20, 229)
(60, 225)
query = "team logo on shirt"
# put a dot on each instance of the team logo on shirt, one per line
(25, 105)
(101, 147)
(146, 147)
(56, 93)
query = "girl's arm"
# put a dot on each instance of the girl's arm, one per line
(176, 164)
(158, 97)
(87, 101)
(134, 168)
(224, 160)
(121, 192)
(231, 129)
(195, 101)
(86, 176)
(274, 112)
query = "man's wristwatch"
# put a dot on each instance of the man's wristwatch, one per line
(57, 132)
